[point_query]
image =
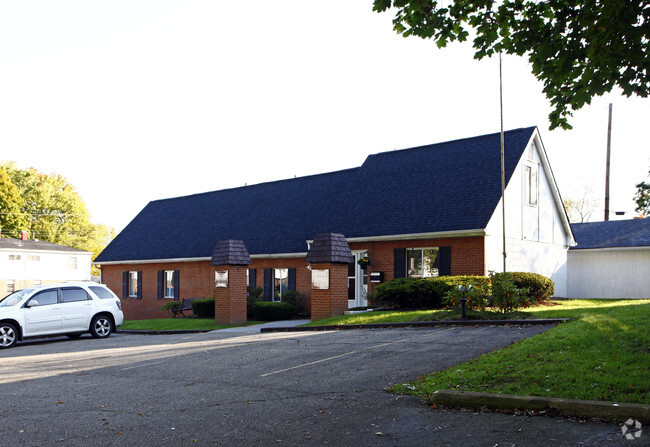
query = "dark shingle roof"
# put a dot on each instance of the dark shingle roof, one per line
(440, 187)
(329, 248)
(612, 233)
(30, 244)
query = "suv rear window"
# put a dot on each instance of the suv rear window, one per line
(102, 292)
(73, 294)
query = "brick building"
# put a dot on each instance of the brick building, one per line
(426, 211)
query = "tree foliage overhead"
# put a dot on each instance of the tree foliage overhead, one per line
(579, 49)
(642, 198)
(49, 208)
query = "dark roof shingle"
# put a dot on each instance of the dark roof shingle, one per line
(612, 233)
(440, 187)
(35, 245)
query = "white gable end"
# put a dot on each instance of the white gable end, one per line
(537, 230)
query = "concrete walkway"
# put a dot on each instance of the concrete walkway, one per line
(256, 329)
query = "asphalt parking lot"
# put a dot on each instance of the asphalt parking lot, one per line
(221, 388)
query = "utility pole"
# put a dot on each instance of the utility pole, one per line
(609, 150)
(503, 166)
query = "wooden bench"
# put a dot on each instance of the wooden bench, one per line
(186, 304)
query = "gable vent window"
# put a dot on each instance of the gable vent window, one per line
(530, 185)
(531, 151)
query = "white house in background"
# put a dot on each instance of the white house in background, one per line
(538, 232)
(611, 260)
(25, 262)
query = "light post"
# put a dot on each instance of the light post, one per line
(463, 300)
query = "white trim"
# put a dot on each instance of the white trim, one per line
(172, 260)
(553, 185)
(403, 237)
(151, 261)
(280, 255)
(591, 250)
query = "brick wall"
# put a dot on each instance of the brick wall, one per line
(230, 302)
(467, 254)
(196, 281)
(197, 278)
(331, 302)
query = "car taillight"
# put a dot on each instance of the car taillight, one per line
(119, 304)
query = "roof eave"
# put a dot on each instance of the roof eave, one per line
(417, 236)
(198, 259)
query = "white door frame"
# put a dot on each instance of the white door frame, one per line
(360, 289)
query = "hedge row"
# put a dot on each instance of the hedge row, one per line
(429, 293)
(272, 311)
(260, 310)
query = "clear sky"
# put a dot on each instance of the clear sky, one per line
(138, 100)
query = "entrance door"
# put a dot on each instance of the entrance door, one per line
(357, 282)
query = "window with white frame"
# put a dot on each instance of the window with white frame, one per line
(168, 277)
(34, 258)
(133, 284)
(422, 262)
(14, 257)
(11, 286)
(280, 283)
(72, 263)
(530, 185)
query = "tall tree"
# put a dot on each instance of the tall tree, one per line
(579, 49)
(642, 198)
(12, 221)
(53, 210)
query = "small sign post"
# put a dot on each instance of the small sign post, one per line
(320, 279)
(221, 278)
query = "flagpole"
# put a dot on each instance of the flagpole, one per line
(503, 170)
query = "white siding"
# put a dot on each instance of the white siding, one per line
(609, 273)
(50, 266)
(537, 240)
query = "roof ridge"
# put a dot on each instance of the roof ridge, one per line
(457, 140)
(322, 174)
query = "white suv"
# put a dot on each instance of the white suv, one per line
(65, 308)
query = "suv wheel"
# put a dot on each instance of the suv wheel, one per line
(101, 326)
(8, 335)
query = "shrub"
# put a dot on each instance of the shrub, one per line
(540, 288)
(254, 294)
(203, 307)
(396, 292)
(169, 305)
(505, 293)
(294, 298)
(427, 293)
(272, 311)
(478, 296)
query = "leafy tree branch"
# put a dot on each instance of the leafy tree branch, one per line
(578, 49)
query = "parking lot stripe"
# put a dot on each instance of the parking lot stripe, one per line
(302, 365)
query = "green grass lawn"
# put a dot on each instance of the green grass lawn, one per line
(170, 324)
(603, 354)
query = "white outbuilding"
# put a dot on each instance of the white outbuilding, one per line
(26, 262)
(611, 260)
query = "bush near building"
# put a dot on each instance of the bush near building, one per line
(507, 291)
